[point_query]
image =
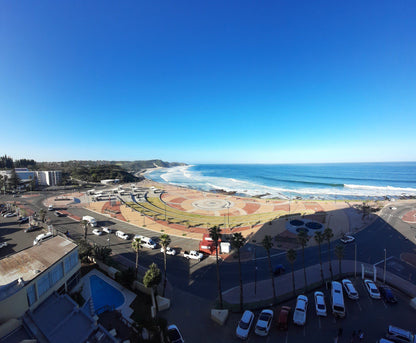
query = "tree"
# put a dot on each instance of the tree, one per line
(84, 250)
(164, 242)
(101, 252)
(14, 179)
(291, 257)
(339, 252)
(303, 241)
(237, 242)
(215, 234)
(136, 245)
(319, 238)
(152, 279)
(268, 244)
(328, 234)
(84, 225)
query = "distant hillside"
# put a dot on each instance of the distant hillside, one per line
(140, 165)
(103, 172)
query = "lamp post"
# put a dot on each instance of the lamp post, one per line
(385, 265)
(355, 261)
(255, 272)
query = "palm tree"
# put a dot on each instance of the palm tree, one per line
(268, 244)
(164, 242)
(319, 238)
(237, 242)
(291, 257)
(215, 234)
(136, 245)
(84, 225)
(339, 252)
(303, 241)
(42, 213)
(328, 234)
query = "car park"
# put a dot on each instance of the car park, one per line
(347, 239)
(174, 335)
(399, 335)
(244, 325)
(264, 323)
(372, 289)
(387, 294)
(299, 315)
(106, 229)
(320, 305)
(350, 289)
(97, 232)
(169, 251)
(122, 235)
(283, 319)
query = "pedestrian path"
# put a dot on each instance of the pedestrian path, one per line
(261, 291)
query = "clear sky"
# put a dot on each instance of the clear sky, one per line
(209, 81)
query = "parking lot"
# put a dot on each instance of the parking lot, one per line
(370, 315)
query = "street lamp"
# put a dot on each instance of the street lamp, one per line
(385, 264)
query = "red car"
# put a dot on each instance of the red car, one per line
(283, 319)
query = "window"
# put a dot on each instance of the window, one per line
(43, 284)
(71, 261)
(56, 274)
(31, 294)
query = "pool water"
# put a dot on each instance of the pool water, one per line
(104, 294)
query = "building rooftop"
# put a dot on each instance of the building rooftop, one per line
(29, 263)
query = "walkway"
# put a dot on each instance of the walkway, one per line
(284, 288)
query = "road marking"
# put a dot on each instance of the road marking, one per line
(359, 306)
(382, 261)
(264, 257)
(384, 303)
(304, 331)
(319, 322)
(287, 337)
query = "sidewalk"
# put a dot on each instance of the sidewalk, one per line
(284, 287)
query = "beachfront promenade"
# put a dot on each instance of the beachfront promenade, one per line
(284, 288)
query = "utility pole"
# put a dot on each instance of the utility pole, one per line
(355, 261)
(255, 272)
(385, 264)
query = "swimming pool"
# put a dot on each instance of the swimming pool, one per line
(104, 294)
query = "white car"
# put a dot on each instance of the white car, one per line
(122, 235)
(320, 305)
(106, 229)
(3, 244)
(347, 239)
(169, 251)
(393, 208)
(350, 289)
(97, 232)
(8, 215)
(174, 335)
(264, 322)
(299, 315)
(372, 289)
(244, 325)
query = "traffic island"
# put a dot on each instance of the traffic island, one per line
(219, 316)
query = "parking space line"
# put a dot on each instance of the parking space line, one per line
(384, 303)
(319, 322)
(359, 306)
(304, 331)
(287, 337)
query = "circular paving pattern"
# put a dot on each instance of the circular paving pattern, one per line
(313, 225)
(212, 204)
(296, 222)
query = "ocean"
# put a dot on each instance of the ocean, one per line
(288, 181)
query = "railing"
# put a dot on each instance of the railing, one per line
(104, 309)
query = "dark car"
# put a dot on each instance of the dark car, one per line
(279, 269)
(32, 228)
(23, 220)
(283, 319)
(387, 294)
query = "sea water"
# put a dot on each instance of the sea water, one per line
(307, 181)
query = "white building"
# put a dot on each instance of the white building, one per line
(45, 178)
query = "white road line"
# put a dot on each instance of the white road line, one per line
(359, 306)
(384, 303)
(287, 337)
(264, 257)
(319, 322)
(382, 261)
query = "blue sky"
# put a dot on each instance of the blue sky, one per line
(209, 81)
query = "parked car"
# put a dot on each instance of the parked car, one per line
(320, 305)
(97, 232)
(122, 235)
(145, 242)
(350, 289)
(174, 335)
(8, 215)
(372, 289)
(193, 254)
(106, 229)
(264, 323)
(244, 325)
(387, 294)
(32, 228)
(299, 315)
(3, 244)
(42, 237)
(397, 334)
(279, 269)
(169, 251)
(23, 220)
(347, 239)
(283, 320)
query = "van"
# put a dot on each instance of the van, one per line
(42, 237)
(337, 300)
(399, 335)
(122, 235)
(146, 242)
